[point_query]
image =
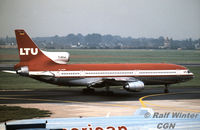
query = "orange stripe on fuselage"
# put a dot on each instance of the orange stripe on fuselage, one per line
(104, 67)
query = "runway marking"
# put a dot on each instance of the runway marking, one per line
(166, 107)
(61, 101)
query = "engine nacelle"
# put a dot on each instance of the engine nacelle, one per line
(58, 57)
(24, 71)
(134, 86)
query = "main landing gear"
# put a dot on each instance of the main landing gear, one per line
(88, 90)
(166, 90)
(108, 92)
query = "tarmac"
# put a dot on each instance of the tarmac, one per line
(73, 103)
(71, 109)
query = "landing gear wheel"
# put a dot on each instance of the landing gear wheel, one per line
(109, 93)
(88, 91)
(166, 90)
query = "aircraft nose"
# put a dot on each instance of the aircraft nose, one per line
(193, 76)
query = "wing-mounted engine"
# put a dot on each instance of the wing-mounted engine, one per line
(134, 86)
(58, 57)
(24, 71)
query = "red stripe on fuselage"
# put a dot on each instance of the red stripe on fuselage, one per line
(101, 67)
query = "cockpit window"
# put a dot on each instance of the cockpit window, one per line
(188, 71)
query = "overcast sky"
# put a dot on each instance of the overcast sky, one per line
(179, 19)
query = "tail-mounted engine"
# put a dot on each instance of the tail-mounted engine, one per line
(134, 86)
(24, 71)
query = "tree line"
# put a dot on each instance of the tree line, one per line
(98, 41)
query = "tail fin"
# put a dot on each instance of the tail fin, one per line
(29, 53)
(26, 47)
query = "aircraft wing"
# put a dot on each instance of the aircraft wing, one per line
(121, 79)
(112, 81)
(129, 83)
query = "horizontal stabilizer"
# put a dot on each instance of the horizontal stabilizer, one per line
(9, 71)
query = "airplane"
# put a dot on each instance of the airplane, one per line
(54, 68)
